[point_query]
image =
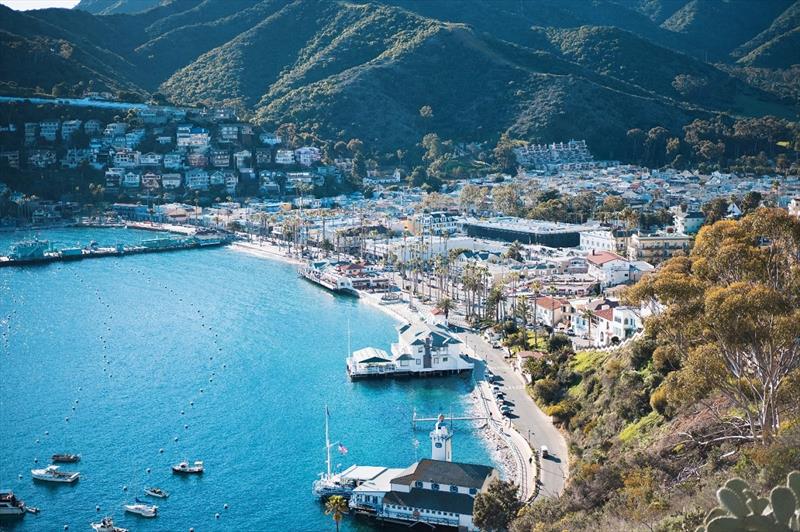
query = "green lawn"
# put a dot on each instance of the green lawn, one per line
(583, 361)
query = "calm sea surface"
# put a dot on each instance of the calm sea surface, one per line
(205, 354)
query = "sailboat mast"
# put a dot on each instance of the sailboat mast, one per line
(327, 443)
(349, 342)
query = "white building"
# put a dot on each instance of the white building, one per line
(307, 155)
(690, 222)
(171, 181)
(421, 349)
(433, 492)
(131, 180)
(601, 240)
(438, 223)
(270, 139)
(608, 268)
(48, 129)
(794, 207)
(284, 157)
(188, 136)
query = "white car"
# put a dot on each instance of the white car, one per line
(545, 451)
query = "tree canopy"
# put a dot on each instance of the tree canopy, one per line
(730, 323)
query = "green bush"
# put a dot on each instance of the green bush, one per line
(547, 390)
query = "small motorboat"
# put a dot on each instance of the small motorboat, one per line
(143, 509)
(33, 510)
(66, 458)
(10, 505)
(156, 492)
(187, 469)
(107, 525)
(51, 473)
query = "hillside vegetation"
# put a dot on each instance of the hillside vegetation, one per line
(550, 71)
(657, 426)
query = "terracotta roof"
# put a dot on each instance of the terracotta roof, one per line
(550, 303)
(606, 314)
(602, 257)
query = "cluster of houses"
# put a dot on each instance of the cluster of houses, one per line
(162, 151)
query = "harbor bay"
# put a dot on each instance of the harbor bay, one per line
(210, 355)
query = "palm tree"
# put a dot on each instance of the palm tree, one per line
(536, 288)
(446, 305)
(588, 315)
(336, 507)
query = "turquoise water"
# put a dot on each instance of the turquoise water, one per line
(123, 346)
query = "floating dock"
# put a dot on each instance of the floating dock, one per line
(41, 251)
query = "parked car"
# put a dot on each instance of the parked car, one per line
(545, 451)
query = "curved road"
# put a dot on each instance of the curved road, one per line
(528, 419)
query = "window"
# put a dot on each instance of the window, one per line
(435, 486)
(404, 363)
(454, 489)
(435, 360)
(444, 359)
(418, 484)
(418, 362)
(473, 491)
(438, 445)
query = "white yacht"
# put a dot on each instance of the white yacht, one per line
(187, 469)
(10, 505)
(145, 510)
(51, 473)
(107, 525)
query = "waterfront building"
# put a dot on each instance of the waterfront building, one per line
(421, 350)
(434, 492)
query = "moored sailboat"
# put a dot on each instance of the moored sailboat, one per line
(330, 483)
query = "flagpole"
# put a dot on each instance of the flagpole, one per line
(327, 443)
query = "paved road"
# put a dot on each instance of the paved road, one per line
(530, 421)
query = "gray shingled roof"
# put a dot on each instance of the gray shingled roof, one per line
(443, 501)
(417, 333)
(457, 473)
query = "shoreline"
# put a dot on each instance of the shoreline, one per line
(501, 439)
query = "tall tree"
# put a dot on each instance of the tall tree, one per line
(495, 508)
(731, 320)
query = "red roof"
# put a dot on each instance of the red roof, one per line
(550, 303)
(600, 258)
(606, 314)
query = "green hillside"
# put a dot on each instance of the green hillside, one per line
(548, 70)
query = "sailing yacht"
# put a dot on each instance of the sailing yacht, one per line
(330, 483)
